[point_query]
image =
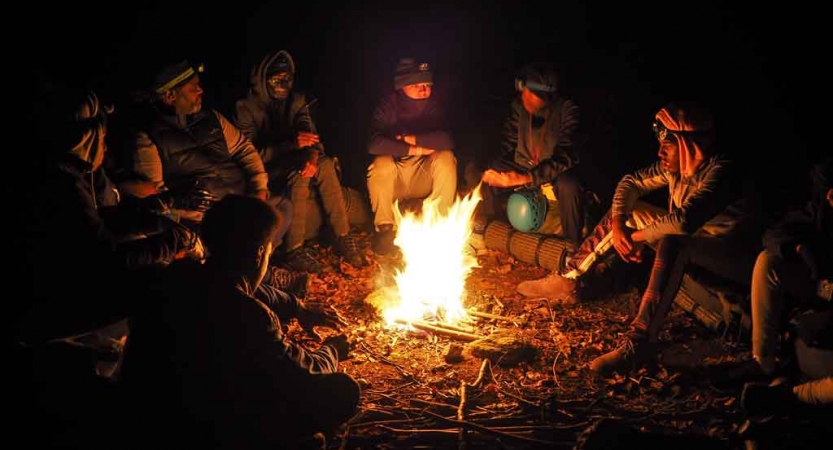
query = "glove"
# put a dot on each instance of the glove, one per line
(191, 197)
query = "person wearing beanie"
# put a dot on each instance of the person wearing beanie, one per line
(794, 271)
(412, 149)
(539, 148)
(183, 144)
(276, 118)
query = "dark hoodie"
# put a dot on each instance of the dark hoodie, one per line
(272, 124)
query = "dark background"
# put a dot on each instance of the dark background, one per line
(757, 67)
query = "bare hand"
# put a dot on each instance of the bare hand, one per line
(311, 315)
(309, 170)
(622, 241)
(504, 179)
(307, 139)
(341, 345)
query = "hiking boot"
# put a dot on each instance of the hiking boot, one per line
(347, 247)
(383, 240)
(296, 283)
(732, 376)
(302, 259)
(764, 399)
(629, 350)
(552, 286)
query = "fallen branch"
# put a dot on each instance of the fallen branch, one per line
(481, 374)
(430, 403)
(487, 430)
(384, 422)
(483, 315)
(401, 369)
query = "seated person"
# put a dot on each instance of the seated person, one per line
(538, 149)
(702, 226)
(412, 149)
(213, 353)
(276, 118)
(795, 270)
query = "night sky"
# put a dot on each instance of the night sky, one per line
(757, 68)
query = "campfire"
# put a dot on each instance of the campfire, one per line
(431, 286)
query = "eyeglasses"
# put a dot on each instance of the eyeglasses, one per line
(282, 81)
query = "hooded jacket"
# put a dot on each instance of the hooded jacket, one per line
(272, 124)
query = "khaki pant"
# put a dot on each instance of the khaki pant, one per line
(430, 177)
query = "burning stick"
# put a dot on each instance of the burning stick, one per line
(483, 315)
(424, 326)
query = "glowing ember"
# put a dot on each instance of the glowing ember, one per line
(432, 284)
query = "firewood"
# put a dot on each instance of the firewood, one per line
(424, 326)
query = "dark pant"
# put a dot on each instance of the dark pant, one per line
(327, 183)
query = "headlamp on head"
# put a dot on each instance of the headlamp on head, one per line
(179, 74)
(664, 134)
(521, 84)
(661, 132)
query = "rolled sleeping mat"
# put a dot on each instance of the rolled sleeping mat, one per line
(497, 235)
(536, 249)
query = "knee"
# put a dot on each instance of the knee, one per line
(444, 160)
(670, 245)
(382, 166)
(765, 266)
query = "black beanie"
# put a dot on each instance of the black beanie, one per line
(408, 72)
